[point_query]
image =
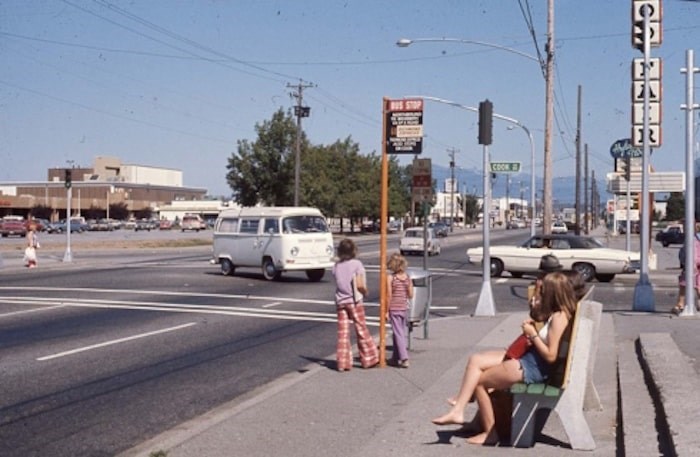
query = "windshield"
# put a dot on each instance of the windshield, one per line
(304, 224)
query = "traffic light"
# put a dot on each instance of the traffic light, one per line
(68, 181)
(485, 122)
(626, 168)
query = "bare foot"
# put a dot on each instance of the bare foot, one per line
(450, 418)
(484, 439)
(472, 426)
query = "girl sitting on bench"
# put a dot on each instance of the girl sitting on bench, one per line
(491, 370)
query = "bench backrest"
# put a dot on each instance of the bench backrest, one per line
(561, 371)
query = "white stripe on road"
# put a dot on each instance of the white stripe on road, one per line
(120, 340)
(31, 310)
(270, 305)
(443, 307)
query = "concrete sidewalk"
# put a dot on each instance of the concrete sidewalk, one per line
(381, 411)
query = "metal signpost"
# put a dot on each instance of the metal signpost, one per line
(485, 306)
(690, 105)
(68, 183)
(623, 152)
(646, 32)
(402, 134)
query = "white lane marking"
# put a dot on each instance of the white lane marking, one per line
(501, 280)
(45, 308)
(270, 305)
(120, 340)
(201, 309)
(444, 307)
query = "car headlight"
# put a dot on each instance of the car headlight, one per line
(294, 251)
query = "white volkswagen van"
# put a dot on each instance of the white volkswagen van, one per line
(276, 239)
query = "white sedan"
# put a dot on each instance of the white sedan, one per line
(412, 242)
(584, 254)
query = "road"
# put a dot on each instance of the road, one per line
(101, 355)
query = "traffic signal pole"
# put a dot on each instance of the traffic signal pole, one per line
(485, 306)
(643, 291)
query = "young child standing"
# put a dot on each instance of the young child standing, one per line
(399, 291)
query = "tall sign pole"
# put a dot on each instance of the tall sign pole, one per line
(485, 306)
(689, 106)
(402, 133)
(68, 183)
(649, 12)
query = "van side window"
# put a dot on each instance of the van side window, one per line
(228, 225)
(272, 226)
(250, 225)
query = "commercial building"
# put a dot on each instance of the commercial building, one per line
(106, 183)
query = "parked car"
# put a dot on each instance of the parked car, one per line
(76, 226)
(412, 242)
(165, 224)
(13, 226)
(515, 224)
(559, 227)
(192, 222)
(441, 229)
(672, 234)
(142, 224)
(584, 254)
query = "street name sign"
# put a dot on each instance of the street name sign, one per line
(504, 167)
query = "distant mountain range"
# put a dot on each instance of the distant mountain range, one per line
(563, 188)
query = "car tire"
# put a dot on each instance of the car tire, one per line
(269, 270)
(315, 275)
(665, 244)
(496, 268)
(604, 277)
(586, 270)
(516, 274)
(227, 267)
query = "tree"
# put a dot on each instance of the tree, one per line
(119, 211)
(41, 212)
(93, 212)
(263, 171)
(675, 206)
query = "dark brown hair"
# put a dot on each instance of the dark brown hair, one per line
(346, 250)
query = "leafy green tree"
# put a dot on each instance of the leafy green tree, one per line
(41, 212)
(263, 171)
(143, 213)
(675, 206)
(94, 212)
(119, 211)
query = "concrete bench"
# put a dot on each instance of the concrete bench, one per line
(568, 394)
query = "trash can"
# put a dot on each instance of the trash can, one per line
(422, 293)
(419, 305)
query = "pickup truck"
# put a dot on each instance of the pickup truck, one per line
(13, 227)
(673, 234)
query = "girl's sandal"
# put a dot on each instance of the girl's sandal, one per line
(677, 309)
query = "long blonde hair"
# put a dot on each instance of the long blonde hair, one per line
(558, 294)
(397, 263)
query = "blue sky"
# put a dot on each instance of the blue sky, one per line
(177, 83)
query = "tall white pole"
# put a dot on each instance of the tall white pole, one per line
(689, 107)
(485, 306)
(68, 255)
(643, 291)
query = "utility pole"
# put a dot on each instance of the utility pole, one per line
(548, 125)
(299, 111)
(585, 191)
(452, 152)
(577, 205)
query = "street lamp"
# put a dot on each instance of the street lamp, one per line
(545, 67)
(514, 122)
